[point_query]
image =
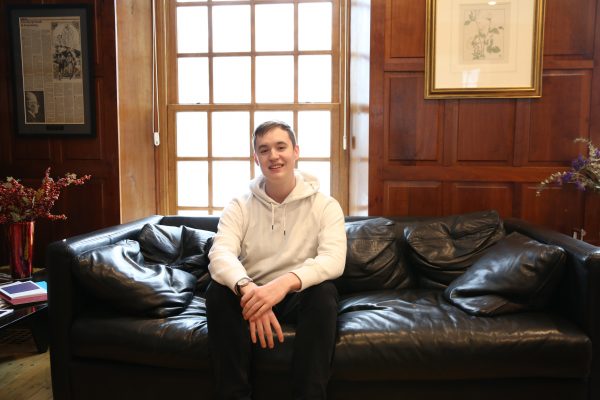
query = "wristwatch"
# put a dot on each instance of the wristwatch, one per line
(241, 283)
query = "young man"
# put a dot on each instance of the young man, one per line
(273, 257)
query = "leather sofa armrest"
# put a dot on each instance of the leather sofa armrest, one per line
(579, 292)
(580, 289)
(63, 301)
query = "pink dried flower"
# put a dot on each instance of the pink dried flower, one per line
(19, 203)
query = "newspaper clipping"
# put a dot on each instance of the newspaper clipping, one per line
(52, 70)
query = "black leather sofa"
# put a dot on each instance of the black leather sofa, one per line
(403, 333)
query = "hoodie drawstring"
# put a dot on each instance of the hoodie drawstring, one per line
(284, 220)
(273, 217)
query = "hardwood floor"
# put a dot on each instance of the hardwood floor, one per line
(24, 374)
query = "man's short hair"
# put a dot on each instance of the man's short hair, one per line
(268, 126)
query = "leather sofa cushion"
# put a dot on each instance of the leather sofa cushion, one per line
(117, 275)
(412, 334)
(443, 249)
(516, 274)
(179, 341)
(373, 259)
(416, 334)
(178, 247)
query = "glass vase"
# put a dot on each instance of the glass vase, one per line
(20, 246)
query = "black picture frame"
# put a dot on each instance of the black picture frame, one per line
(52, 70)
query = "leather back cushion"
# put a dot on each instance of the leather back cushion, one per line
(178, 247)
(373, 258)
(516, 274)
(443, 249)
(118, 275)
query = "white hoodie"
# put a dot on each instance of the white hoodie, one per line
(262, 239)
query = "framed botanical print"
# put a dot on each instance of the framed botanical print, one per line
(480, 48)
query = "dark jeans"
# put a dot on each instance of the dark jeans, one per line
(313, 311)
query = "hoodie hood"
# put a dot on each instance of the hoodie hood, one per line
(306, 186)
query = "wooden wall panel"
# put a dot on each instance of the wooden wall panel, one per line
(406, 28)
(482, 153)
(569, 27)
(136, 150)
(31, 149)
(560, 116)
(413, 198)
(414, 126)
(465, 197)
(557, 208)
(591, 223)
(96, 204)
(485, 131)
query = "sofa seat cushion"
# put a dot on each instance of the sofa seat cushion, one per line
(179, 341)
(416, 334)
(385, 335)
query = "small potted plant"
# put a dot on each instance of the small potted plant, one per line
(21, 206)
(584, 172)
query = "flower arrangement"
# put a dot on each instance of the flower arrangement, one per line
(584, 172)
(19, 203)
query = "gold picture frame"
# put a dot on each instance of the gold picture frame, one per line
(484, 49)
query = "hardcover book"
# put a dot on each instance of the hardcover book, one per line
(5, 308)
(24, 292)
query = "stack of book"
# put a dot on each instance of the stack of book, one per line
(5, 308)
(24, 292)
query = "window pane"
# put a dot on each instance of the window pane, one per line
(314, 79)
(314, 26)
(230, 136)
(192, 80)
(192, 30)
(230, 179)
(192, 134)
(231, 28)
(275, 79)
(321, 170)
(314, 133)
(274, 27)
(193, 213)
(231, 79)
(192, 183)
(263, 116)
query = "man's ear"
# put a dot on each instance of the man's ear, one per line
(296, 152)
(255, 158)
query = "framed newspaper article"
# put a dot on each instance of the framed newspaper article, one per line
(52, 70)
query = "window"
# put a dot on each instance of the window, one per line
(232, 65)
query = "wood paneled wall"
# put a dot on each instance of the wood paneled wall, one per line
(96, 204)
(439, 157)
(134, 77)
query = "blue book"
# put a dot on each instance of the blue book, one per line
(24, 292)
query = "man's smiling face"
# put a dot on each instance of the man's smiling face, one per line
(276, 155)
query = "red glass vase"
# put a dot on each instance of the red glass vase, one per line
(20, 246)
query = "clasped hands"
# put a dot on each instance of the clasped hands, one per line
(257, 308)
